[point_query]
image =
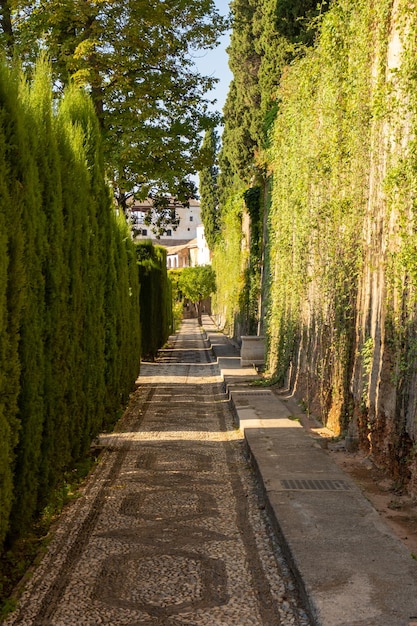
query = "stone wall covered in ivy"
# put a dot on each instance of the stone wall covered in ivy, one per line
(342, 326)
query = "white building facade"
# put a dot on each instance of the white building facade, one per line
(189, 219)
(186, 244)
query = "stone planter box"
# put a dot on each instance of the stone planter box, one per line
(252, 351)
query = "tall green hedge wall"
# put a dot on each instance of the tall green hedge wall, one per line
(155, 298)
(69, 294)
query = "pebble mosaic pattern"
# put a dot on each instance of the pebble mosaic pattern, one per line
(170, 528)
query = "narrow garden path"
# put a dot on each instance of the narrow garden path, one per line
(170, 528)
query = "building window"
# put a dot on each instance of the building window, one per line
(169, 232)
(143, 231)
(138, 217)
(191, 218)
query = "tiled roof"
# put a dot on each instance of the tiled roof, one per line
(192, 243)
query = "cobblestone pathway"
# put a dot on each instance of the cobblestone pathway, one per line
(170, 529)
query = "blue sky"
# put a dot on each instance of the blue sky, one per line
(215, 63)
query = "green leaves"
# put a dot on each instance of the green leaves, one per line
(136, 60)
(209, 197)
(155, 298)
(267, 36)
(69, 293)
(197, 283)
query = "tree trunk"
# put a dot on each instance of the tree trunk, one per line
(198, 307)
(6, 24)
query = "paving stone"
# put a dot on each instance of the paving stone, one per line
(171, 528)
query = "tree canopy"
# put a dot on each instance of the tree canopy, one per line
(136, 59)
(196, 284)
(267, 35)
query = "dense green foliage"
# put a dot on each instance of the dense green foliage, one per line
(137, 61)
(237, 170)
(266, 36)
(155, 298)
(208, 187)
(342, 226)
(228, 259)
(177, 299)
(69, 294)
(197, 284)
(320, 163)
(317, 190)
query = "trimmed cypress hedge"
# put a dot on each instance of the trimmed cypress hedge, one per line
(155, 298)
(69, 294)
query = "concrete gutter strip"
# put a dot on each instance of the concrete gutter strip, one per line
(351, 569)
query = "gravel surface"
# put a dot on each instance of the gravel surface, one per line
(170, 528)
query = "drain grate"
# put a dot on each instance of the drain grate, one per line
(311, 484)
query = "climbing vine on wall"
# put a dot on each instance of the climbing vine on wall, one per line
(320, 156)
(228, 259)
(342, 309)
(266, 36)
